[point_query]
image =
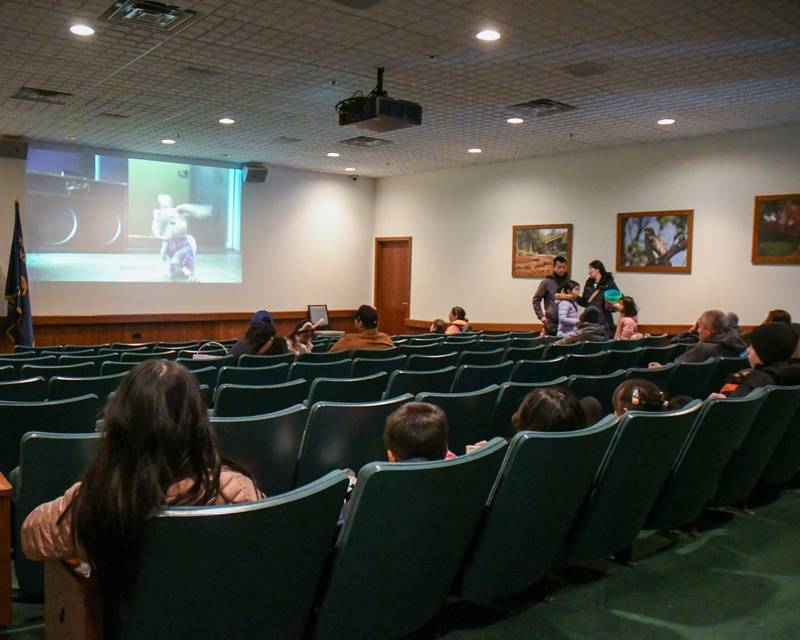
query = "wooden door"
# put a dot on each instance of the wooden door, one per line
(392, 283)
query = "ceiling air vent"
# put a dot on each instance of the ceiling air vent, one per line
(586, 69)
(149, 14)
(366, 142)
(42, 95)
(544, 107)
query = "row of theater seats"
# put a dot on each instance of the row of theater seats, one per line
(479, 527)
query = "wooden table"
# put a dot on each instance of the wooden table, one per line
(5, 550)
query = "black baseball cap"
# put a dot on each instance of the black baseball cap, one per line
(368, 315)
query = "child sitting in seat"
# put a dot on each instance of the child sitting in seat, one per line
(416, 432)
(638, 395)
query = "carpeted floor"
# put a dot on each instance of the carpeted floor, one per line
(740, 580)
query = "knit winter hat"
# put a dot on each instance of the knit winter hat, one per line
(773, 342)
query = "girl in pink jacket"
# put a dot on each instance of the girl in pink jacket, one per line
(628, 325)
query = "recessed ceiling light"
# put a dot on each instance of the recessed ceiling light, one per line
(664, 121)
(167, 141)
(515, 121)
(488, 35)
(333, 154)
(349, 168)
(474, 150)
(82, 30)
(226, 120)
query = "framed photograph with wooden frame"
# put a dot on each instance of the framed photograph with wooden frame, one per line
(655, 241)
(776, 229)
(535, 246)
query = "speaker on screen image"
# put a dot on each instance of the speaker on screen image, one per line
(103, 218)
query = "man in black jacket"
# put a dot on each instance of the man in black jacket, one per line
(716, 339)
(770, 354)
(546, 292)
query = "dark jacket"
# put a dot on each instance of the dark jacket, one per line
(727, 344)
(784, 373)
(586, 332)
(588, 299)
(546, 292)
(243, 347)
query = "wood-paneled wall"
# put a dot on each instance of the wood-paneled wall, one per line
(166, 327)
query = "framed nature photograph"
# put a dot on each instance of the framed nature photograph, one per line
(657, 241)
(776, 229)
(534, 246)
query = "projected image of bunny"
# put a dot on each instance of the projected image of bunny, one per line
(178, 247)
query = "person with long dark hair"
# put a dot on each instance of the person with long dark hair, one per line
(598, 282)
(260, 338)
(159, 449)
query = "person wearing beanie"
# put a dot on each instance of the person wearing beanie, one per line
(770, 352)
(367, 335)
(260, 338)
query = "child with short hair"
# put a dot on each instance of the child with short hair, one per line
(638, 395)
(416, 432)
(628, 326)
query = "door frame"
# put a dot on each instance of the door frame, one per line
(376, 279)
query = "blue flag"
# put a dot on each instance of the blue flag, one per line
(18, 296)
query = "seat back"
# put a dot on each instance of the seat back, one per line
(721, 425)
(75, 415)
(585, 365)
(376, 354)
(484, 358)
(206, 376)
(419, 349)
(133, 346)
(473, 377)
(749, 461)
(113, 367)
(369, 366)
(403, 542)
(78, 370)
(415, 382)
(323, 356)
(544, 480)
(509, 398)
(136, 356)
(344, 436)
(785, 461)
(659, 376)
(19, 360)
(692, 378)
(490, 345)
(312, 370)
(515, 353)
(366, 389)
(662, 355)
(725, 367)
(600, 387)
(39, 481)
(590, 348)
(255, 400)
(272, 374)
(248, 360)
(7, 372)
(201, 363)
(101, 386)
(418, 362)
(468, 415)
(644, 450)
(537, 370)
(621, 360)
(266, 446)
(626, 345)
(282, 542)
(557, 350)
(659, 340)
(526, 342)
(24, 390)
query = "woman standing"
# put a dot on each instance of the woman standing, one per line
(594, 290)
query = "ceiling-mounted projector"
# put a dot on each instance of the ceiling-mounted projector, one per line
(377, 111)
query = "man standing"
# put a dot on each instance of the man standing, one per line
(546, 292)
(367, 335)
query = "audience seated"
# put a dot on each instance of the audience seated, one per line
(638, 395)
(159, 449)
(552, 409)
(458, 321)
(299, 340)
(260, 338)
(628, 325)
(733, 322)
(416, 432)
(778, 315)
(591, 328)
(567, 306)
(438, 326)
(367, 335)
(716, 339)
(771, 350)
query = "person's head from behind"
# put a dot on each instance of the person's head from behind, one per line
(457, 313)
(560, 266)
(416, 430)
(156, 434)
(258, 334)
(365, 318)
(732, 320)
(711, 323)
(627, 307)
(438, 326)
(571, 288)
(591, 315)
(638, 395)
(549, 409)
(778, 315)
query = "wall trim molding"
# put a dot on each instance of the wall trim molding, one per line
(154, 318)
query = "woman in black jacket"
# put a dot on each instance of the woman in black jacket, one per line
(597, 284)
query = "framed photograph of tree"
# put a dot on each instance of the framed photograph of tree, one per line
(657, 241)
(776, 229)
(534, 246)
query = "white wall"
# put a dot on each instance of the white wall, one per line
(12, 174)
(306, 238)
(461, 223)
